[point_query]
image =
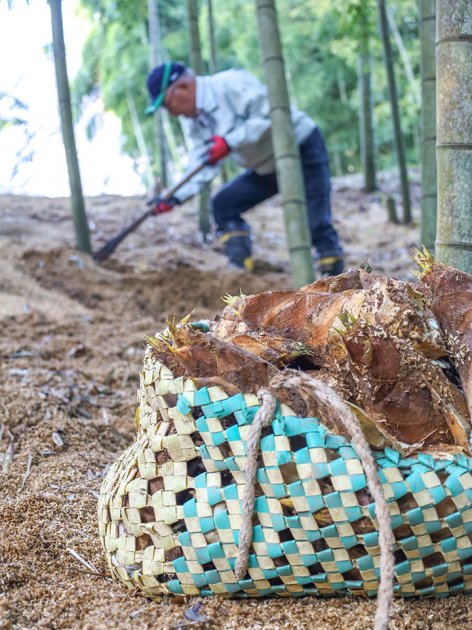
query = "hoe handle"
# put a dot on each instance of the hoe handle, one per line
(113, 243)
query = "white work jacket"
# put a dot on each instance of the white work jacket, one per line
(234, 104)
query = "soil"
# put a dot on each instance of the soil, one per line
(71, 350)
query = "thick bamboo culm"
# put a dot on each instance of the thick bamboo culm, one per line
(454, 133)
(287, 159)
(429, 194)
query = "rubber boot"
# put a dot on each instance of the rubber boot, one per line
(237, 245)
(330, 265)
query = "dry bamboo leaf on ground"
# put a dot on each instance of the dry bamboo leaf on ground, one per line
(27, 472)
(9, 454)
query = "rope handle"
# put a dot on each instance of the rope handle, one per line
(262, 419)
(331, 404)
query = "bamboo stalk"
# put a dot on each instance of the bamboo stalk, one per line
(454, 133)
(287, 159)
(365, 119)
(404, 56)
(156, 59)
(429, 195)
(197, 63)
(82, 233)
(398, 140)
(140, 140)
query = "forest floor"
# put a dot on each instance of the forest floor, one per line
(71, 350)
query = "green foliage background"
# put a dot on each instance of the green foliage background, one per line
(321, 43)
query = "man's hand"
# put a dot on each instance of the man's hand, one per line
(164, 205)
(218, 150)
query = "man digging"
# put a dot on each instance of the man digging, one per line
(228, 114)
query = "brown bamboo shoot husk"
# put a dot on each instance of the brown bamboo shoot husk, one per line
(403, 392)
(201, 355)
(450, 296)
(308, 316)
(275, 349)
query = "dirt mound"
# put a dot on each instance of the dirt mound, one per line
(119, 290)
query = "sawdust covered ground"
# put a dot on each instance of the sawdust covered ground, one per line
(71, 349)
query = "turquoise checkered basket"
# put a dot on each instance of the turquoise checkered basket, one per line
(170, 506)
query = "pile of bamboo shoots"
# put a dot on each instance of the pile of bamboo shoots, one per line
(398, 353)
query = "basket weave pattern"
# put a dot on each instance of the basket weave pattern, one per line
(170, 506)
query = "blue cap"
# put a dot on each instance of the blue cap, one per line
(159, 80)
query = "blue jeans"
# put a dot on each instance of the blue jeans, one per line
(249, 189)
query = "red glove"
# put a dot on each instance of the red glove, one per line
(164, 205)
(218, 150)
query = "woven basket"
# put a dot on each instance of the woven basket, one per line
(170, 506)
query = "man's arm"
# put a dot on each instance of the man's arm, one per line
(197, 155)
(247, 97)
